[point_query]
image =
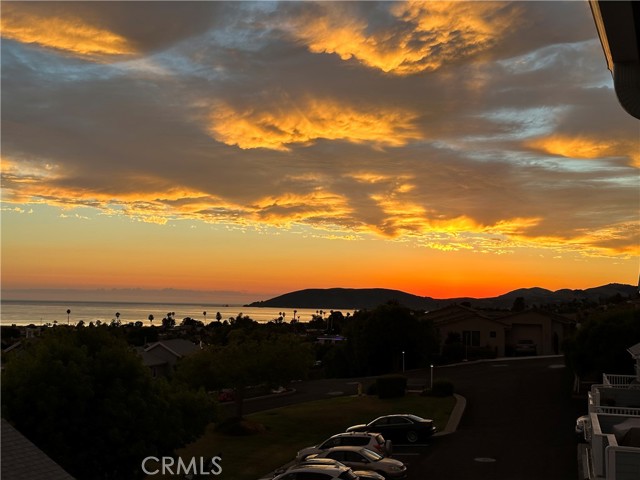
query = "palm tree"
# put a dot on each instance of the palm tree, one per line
(68, 313)
(205, 316)
(118, 316)
(151, 318)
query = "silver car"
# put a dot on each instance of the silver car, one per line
(359, 458)
(361, 474)
(319, 472)
(373, 441)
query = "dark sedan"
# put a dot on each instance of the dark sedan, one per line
(399, 427)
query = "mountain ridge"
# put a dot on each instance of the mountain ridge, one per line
(360, 298)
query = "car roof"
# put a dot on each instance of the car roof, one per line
(355, 434)
(409, 415)
(348, 448)
(319, 468)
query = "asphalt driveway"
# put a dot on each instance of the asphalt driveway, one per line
(518, 425)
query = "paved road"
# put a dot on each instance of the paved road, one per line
(518, 423)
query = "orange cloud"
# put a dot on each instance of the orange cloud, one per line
(70, 34)
(427, 35)
(310, 120)
(587, 148)
(290, 208)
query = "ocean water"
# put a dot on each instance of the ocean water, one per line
(21, 312)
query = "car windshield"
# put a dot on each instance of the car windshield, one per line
(416, 418)
(371, 455)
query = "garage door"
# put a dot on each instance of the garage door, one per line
(528, 332)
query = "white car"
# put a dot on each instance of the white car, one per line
(360, 458)
(318, 472)
(372, 441)
(361, 474)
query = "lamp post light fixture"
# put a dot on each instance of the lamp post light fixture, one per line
(431, 383)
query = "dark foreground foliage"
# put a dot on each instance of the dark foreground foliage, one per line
(84, 397)
(601, 342)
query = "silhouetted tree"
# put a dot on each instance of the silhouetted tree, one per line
(84, 397)
(247, 360)
(519, 305)
(376, 338)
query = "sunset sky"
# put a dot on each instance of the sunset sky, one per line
(248, 149)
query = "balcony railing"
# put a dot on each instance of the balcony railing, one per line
(617, 381)
(625, 411)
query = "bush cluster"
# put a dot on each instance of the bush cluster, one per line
(391, 386)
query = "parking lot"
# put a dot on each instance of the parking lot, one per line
(518, 423)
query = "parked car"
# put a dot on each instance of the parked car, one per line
(526, 347)
(361, 474)
(360, 458)
(399, 428)
(372, 441)
(582, 428)
(318, 472)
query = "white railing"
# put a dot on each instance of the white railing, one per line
(623, 463)
(624, 411)
(617, 381)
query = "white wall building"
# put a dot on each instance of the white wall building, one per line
(613, 433)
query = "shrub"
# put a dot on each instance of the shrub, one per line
(391, 386)
(372, 389)
(442, 388)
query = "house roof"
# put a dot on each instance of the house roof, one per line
(459, 313)
(618, 25)
(22, 460)
(149, 359)
(508, 317)
(634, 351)
(177, 346)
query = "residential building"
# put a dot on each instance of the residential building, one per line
(501, 330)
(160, 357)
(613, 430)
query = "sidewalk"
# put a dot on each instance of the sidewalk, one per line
(455, 417)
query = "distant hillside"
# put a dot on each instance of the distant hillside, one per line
(346, 298)
(360, 298)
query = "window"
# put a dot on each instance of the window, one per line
(471, 338)
(354, 457)
(336, 456)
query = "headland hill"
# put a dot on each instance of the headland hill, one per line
(366, 298)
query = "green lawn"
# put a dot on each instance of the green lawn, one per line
(289, 429)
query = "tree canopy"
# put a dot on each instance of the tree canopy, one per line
(84, 397)
(248, 359)
(600, 344)
(377, 338)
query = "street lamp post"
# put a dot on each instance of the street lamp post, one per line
(403, 361)
(431, 384)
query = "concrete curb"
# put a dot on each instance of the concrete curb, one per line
(455, 417)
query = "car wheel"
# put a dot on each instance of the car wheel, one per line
(412, 436)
